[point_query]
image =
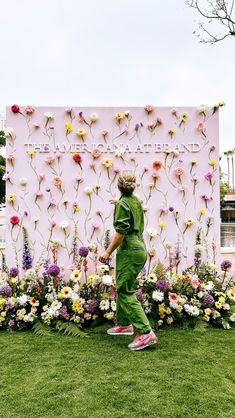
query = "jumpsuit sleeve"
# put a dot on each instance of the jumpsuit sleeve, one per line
(122, 217)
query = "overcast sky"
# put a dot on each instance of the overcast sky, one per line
(113, 52)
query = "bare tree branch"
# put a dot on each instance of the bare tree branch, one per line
(216, 11)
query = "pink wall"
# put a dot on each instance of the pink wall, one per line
(145, 138)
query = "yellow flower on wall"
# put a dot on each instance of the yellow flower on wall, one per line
(81, 133)
(68, 127)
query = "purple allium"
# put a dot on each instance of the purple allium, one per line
(14, 271)
(92, 305)
(5, 290)
(138, 294)
(83, 251)
(208, 300)
(63, 311)
(171, 209)
(162, 285)
(53, 270)
(225, 265)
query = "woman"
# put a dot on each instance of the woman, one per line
(130, 259)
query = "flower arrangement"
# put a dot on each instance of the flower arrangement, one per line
(201, 294)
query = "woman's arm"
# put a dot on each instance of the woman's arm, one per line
(116, 241)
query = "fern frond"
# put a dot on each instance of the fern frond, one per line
(201, 326)
(41, 329)
(159, 270)
(71, 329)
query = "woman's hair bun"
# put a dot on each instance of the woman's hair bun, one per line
(127, 182)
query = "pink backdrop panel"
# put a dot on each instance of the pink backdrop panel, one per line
(173, 152)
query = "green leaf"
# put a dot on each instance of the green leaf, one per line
(41, 329)
(70, 328)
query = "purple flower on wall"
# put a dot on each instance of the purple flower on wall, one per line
(27, 261)
(14, 271)
(53, 270)
(83, 251)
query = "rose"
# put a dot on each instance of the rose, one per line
(119, 116)
(77, 158)
(14, 220)
(15, 108)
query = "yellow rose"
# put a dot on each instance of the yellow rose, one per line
(14, 280)
(206, 318)
(3, 314)
(119, 116)
(11, 198)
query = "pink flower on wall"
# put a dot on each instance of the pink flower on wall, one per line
(29, 110)
(149, 109)
(96, 153)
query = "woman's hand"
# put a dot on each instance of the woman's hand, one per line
(113, 201)
(104, 257)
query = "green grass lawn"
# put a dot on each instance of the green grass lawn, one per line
(188, 374)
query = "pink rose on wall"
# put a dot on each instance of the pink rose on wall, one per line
(14, 220)
(149, 109)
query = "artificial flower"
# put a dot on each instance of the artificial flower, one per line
(68, 127)
(88, 190)
(81, 133)
(11, 198)
(119, 116)
(66, 292)
(29, 110)
(64, 224)
(149, 109)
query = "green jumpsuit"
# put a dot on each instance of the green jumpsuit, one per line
(130, 259)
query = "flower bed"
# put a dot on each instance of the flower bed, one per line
(199, 295)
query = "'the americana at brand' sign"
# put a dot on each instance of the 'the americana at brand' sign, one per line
(63, 166)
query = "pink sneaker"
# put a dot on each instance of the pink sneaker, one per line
(142, 341)
(128, 330)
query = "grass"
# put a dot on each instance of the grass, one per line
(189, 374)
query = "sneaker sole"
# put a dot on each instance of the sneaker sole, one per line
(120, 333)
(143, 346)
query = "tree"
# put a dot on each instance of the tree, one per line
(214, 13)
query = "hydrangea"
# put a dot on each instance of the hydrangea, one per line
(208, 300)
(5, 290)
